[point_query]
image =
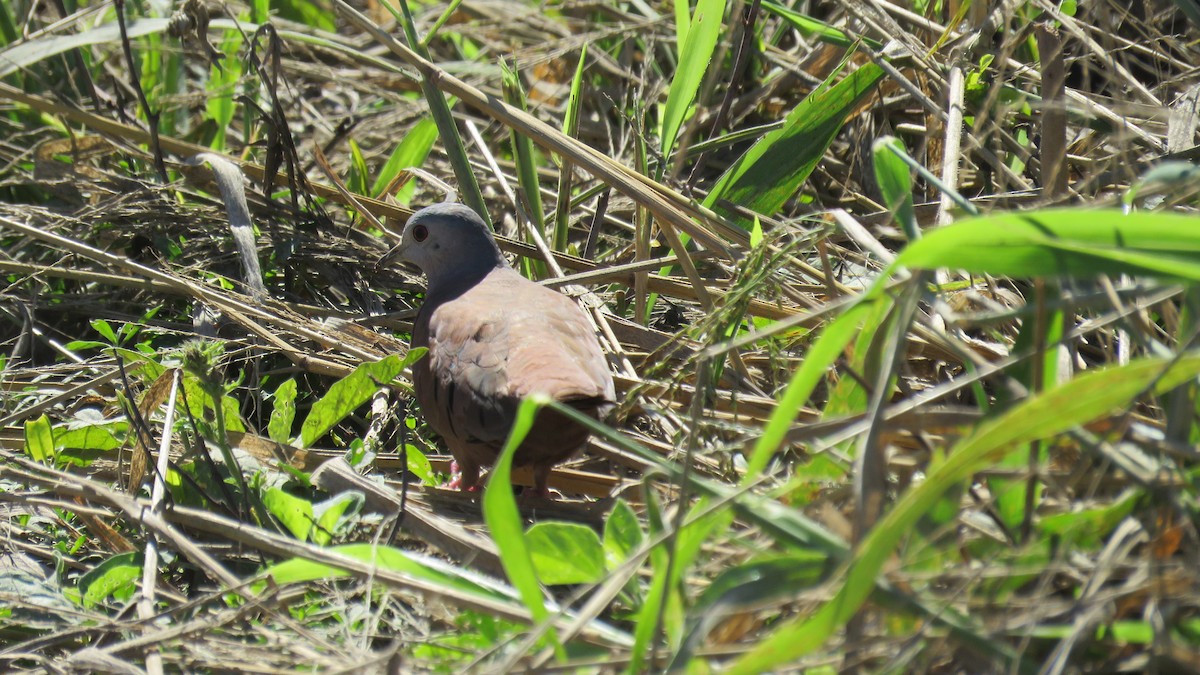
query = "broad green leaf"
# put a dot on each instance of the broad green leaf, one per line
(279, 428)
(419, 464)
(1053, 242)
(116, 577)
(103, 435)
(1076, 402)
(105, 330)
(565, 553)
(812, 28)
(350, 392)
(296, 513)
(775, 167)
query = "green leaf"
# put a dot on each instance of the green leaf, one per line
(812, 28)
(105, 330)
(775, 167)
(116, 577)
(357, 180)
(331, 512)
(756, 232)
(419, 464)
(825, 350)
(700, 41)
(410, 152)
(350, 392)
(102, 435)
(1076, 402)
(895, 183)
(504, 520)
(296, 513)
(1054, 242)
(306, 12)
(299, 570)
(622, 533)
(565, 553)
(39, 440)
(279, 428)
(222, 88)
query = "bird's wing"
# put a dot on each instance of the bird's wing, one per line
(500, 341)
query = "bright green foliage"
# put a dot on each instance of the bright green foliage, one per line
(114, 578)
(349, 393)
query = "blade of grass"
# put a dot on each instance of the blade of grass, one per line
(527, 169)
(774, 168)
(456, 152)
(695, 56)
(504, 519)
(895, 183)
(1079, 242)
(1076, 402)
(562, 208)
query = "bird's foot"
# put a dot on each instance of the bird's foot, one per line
(457, 482)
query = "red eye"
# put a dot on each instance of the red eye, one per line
(420, 233)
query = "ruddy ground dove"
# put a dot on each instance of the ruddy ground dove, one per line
(495, 337)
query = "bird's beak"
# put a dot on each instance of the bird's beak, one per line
(395, 253)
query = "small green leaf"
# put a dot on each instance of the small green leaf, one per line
(116, 577)
(39, 440)
(894, 179)
(565, 553)
(410, 152)
(296, 513)
(756, 232)
(279, 428)
(419, 464)
(105, 330)
(330, 513)
(622, 533)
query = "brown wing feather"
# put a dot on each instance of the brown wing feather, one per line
(498, 342)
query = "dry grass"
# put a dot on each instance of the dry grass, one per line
(737, 494)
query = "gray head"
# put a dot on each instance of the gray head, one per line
(452, 246)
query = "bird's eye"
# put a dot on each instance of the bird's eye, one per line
(420, 233)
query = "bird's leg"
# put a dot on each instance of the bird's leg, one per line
(463, 477)
(541, 476)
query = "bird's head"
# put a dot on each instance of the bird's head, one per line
(449, 243)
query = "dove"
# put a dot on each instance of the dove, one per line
(494, 338)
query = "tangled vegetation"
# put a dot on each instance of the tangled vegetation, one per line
(898, 297)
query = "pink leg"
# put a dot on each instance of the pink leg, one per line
(464, 476)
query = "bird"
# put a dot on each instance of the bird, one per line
(494, 338)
